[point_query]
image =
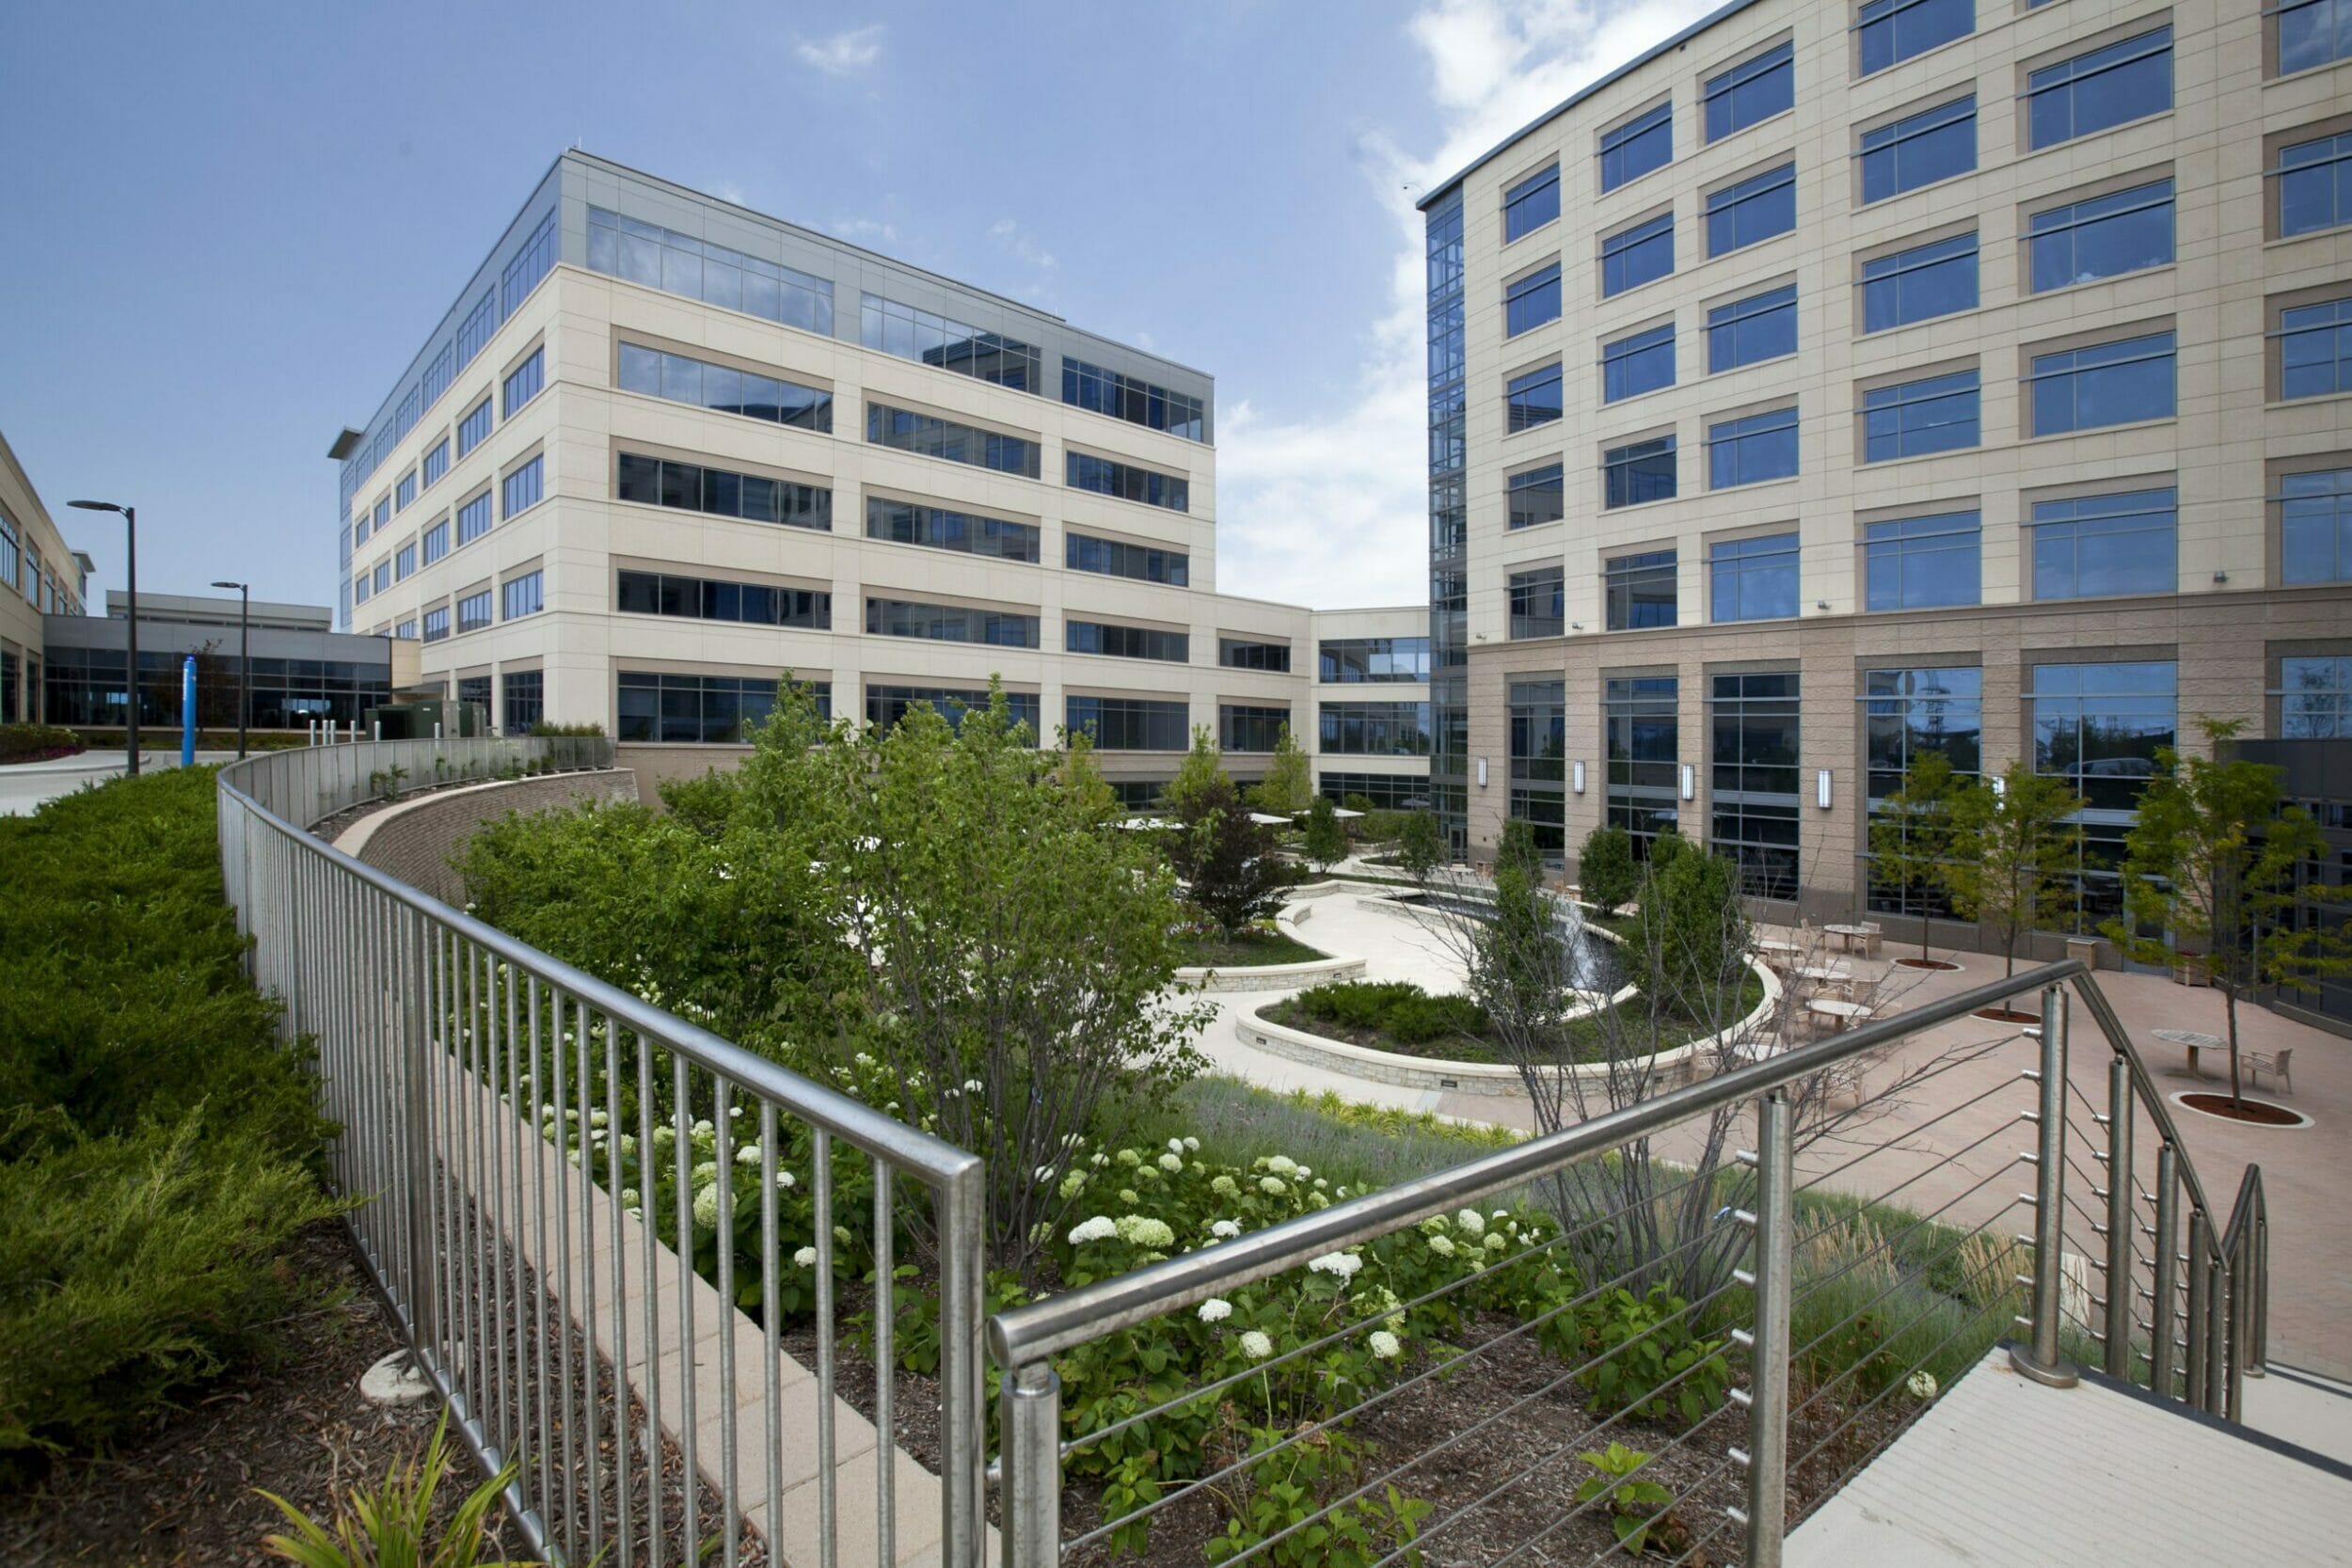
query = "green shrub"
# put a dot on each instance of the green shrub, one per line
(30, 742)
(392, 1527)
(548, 726)
(1605, 870)
(1647, 1343)
(1394, 1007)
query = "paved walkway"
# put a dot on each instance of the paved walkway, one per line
(27, 786)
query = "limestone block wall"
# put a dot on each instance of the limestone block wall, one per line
(416, 840)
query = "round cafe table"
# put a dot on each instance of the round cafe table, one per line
(1840, 1014)
(2193, 1042)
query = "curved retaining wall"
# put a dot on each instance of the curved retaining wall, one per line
(417, 839)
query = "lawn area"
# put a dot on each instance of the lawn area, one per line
(1399, 1017)
(1246, 950)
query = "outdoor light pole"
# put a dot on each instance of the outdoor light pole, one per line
(245, 656)
(131, 604)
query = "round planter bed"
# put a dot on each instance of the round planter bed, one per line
(1936, 966)
(2258, 1113)
(1297, 977)
(2006, 1015)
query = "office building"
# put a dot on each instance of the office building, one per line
(38, 577)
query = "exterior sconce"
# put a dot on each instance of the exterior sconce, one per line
(2000, 787)
(1482, 772)
(1821, 789)
(1690, 782)
(1577, 776)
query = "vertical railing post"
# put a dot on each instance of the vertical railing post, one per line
(962, 1223)
(1032, 1452)
(2258, 1293)
(423, 1257)
(2163, 1314)
(2042, 1361)
(2122, 1222)
(2199, 1306)
(1766, 1515)
(2217, 1332)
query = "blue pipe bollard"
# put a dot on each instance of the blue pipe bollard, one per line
(188, 711)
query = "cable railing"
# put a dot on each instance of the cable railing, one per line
(539, 1157)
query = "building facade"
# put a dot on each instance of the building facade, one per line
(302, 671)
(1837, 383)
(664, 451)
(38, 577)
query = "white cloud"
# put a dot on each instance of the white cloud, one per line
(844, 53)
(867, 232)
(1009, 236)
(1333, 509)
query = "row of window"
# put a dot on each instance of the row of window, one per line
(525, 594)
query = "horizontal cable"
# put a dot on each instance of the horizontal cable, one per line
(1893, 1382)
(1575, 1509)
(1928, 1218)
(1903, 1278)
(2005, 1086)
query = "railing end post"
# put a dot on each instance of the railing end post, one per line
(1032, 1439)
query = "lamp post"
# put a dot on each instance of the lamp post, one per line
(245, 656)
(130, 603)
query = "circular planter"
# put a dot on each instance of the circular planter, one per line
(2006, 1015)
(2261, 1113)
(1936, 966)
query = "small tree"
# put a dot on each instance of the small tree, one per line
(2212, 864)
(1910, 836)
(1605, 870)
(1517, 852)
(1420, 846)
(1327, 841)
(1234, 872)
(1285, 789)
(1203, 768)
(1690, 942)
(2013, 854)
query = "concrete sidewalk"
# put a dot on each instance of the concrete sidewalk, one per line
(27, 786)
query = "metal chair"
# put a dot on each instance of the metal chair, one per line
(2279, 1067)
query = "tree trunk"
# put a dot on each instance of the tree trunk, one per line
(2229, 1002)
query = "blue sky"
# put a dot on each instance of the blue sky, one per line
(229, 226)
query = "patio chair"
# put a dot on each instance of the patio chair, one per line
(2279, 1067)
(1860, 989)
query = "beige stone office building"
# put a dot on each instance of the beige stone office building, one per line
(663, 450)
(39, 576)
(1839, 382)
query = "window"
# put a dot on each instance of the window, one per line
(436, 462)
(1755, 579)
(1537, 496)
(1762, 326)
(926, 338)
(524, 383)
(438, 375)
(903, 431)
(1643, 749)
(1375, 791)
(473, 333)
(473, 613)
(750, 604)
(939, 528)
(2313, 33)
(1933, 279)
(1127, 481)
(1531, 203)
(1124, 397)
(474, 428)
(11, 551)
(886, 705)
(360, 589)
(2316, 526)
(1915, 418)
(525, 700)
(693, 487)
(1113, 558)
(404, 562)
(677, 263)
(1118, 642)
(1531, 300)
(724, 389)
(935, 623)
(404, 493)
(1638, 471)
(1752, 450)
(2316, 699)
(2315, 350)
(435, 542)
(1129, 723)
(1375, 729)
(2098, 727)
(1752, 793)
(530, 263)
(1532, 399)
(1756, 208)
(383, 513)
(1923, 563)
(1919, 150)
(1632, 257)
(382, 577)
(1640, 590)
(1892, 31)
(1910, 713)
(2125, 81)
(522, 596)
(1641, 363)
(522, 488)
(2102, 236)
(411, 409)
(1345, 660)
(1237, 653)
(437, 624)
(2117, 383)
(1537, 599)
(474, 518)
(1640, 144)
(2099, 545)
(1538, 713)
(1756, 89)
(406, 630)
(2314, 185)
(701, 709)
(1250, 729)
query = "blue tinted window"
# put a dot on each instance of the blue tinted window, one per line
(404, 493)
(722, 492)
(1129, 723)
(524, 383)
(680, 264)
(474, 428)
(522, 596)
(1124, 397)
(1356, 660)
(2315, 350)
(937, 623)
(383, 512)
(929, 338)
(1762, 326)
(724, 388)
(1638, 471)
(1637, 147)
(2102, 236)
(2316, 526)
(1537, 496)
(1538, 603)
(411, 409)
(1893, 30)
(1641, 363)
(723, 599)
(1939, 414)
(2118, 383)
(1755, 579)
(530, 263)
(1531, 203)
(435, 461)
(1919, 150)
(1755, 209)
(404, 562)
(1752, 450)
(435, 542)
(360, 589)
(473, 333)
(473, 613)
(2314, 185)
(2100, 545)
(383, 576)
(2314, 32)
(1916, 284)
(474, 518)
(939, 528)
(437, 624)
(701, 709)
(522, 488)
(1754, 89)
(1373, 729)
(1128, 481)
(1531, 301)
(1639, 590)
(1083, 552)
(1533, 399)
(1923, 563)
(1113, 640)
(438, 375)
(903, 431)
(1635, 255)
(2107, 87)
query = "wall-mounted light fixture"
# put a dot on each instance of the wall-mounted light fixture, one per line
(1820, 604)
(1821, 789)
(2222, 576)
(1482, 772)
(2000, 787)
(1578, 626)
(1576, 774)
(1690, 782)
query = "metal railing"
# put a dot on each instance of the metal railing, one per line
(1827, 1337)
(541, 1153)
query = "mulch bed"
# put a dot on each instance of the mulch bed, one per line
(2006, 1015)
(2256, 1113)
(1940, 966)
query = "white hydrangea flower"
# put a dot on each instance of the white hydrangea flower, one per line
(1441, 1246)
(1386, 1345)
(1171, 1163)
(1127, 1194)
(1224, 1186)
(784, 1179)
(1436, 1225)
(1216, 1310)
(1340, 1265)
(1175, 1146)
(1192, 1145)
(629, 1199)
(706, 1207)
(1073, 1184)
(1044, 1174)
(1921, 1384)
(706, 1172)
(805, 1258)
(1102, 1227)
(1272, 1186)
(1129, 1158)
(747, 1155)
(1225, 1230)
(1471, 1221)
(973, 1085)
(1282, 1164)
(1256, 1346)
(1495, 1242)
(598, 1119)
(1302, 1173)
(1145, 1231)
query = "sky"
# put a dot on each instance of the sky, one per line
(229, 226)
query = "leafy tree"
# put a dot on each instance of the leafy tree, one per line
(1204, 767)
(1910, 836)
(1606, 871)
(1286, 788)
(1420, 846)
(1327, 841)
(2212, 863)
(1688, 943)
(1236, 876)
(1521, 966)
(1081, 776)
(2013, 854)
(1518, 851)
